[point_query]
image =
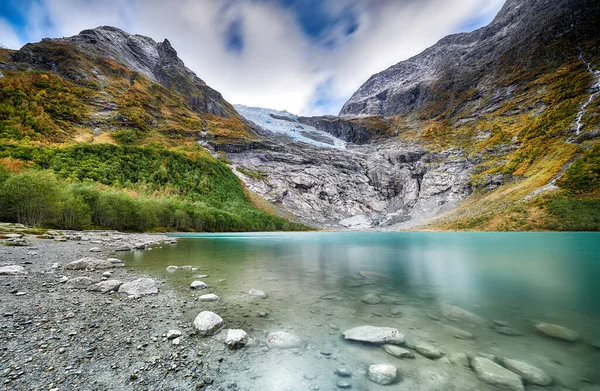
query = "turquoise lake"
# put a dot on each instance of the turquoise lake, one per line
(317, 282)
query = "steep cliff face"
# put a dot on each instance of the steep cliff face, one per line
(526, 39)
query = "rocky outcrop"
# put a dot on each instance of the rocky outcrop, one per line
(356, 131)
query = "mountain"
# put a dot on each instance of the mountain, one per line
(109, 129)
(519, 98)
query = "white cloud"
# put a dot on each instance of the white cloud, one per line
(8, 36)
(279, 66)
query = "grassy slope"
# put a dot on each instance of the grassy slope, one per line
(66, 125)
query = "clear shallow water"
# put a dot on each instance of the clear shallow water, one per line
(315, 283)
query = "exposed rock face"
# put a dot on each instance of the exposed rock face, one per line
(393, 184)
(463, 62)
(158, 61)
(354, 131)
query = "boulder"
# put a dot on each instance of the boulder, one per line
(140, 287)
(556, 331)
(12, 270)
(376, 335)
(257, 293)
(235, 338)
(94, 263)
(397, 351)
(208, 323)
(106, 286)
(198, 285)
(382, 374)
(79, 282)
(491, 373)
(528, 372)
(209, 297)
(284, 340)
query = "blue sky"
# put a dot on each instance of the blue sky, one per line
(306, 56)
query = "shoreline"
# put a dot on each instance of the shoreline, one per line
(60, 336)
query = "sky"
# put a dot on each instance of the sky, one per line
(303, 56)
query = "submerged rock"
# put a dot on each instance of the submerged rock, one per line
(382, 374)
(12, 270)
(257, 293)
(106, 286)
(209, 297)
(198, 285)
(506, 330)
(140, 287)
(428, 350)
(172, 268)
(556, 331)
(458, 333)
(460, 314)
(528, 372)
(459, 359)
(491, 373)
(284, 340)
(371, 298)
(376, 335)
(397, 351)
(208, 323)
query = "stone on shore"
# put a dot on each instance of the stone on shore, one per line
(208, 323)
(94, 263)
(95, 250)
(106, 286)
(172, 334)
(375, 335)
(79, 282)
(209, 297)
(528, 372)
(284, 340)
(382, 374)
(124, 247)
(12, 270)
(257, 293)
(491, 373)
(198, 285)
(556, 331)
(397, 351)
(140, 287)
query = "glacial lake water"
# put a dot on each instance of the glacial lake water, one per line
(316, 283)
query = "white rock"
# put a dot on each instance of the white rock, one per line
(556, 331)
(63, 279)
(208, 323)
(140, 287)
(257, 293)
(209, 297)
(12, 270)
(198, 285)
(382, 374)
(235, 338)
(55, 265)
(284, 340)
(94, 263)
(172, 334)
(124, 247)
(356, 222)
(106, 286)
(172, 268)
(528, 372)
(376, 335)
(491, 373)
(95, 250)
(176, 341)
(428, 350)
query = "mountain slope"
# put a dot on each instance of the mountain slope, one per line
(518, 97)
(109, 125)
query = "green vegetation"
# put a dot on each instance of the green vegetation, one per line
(583, 177)
(573, 214)
(38, 198)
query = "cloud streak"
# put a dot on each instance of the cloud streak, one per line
(306, 56)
